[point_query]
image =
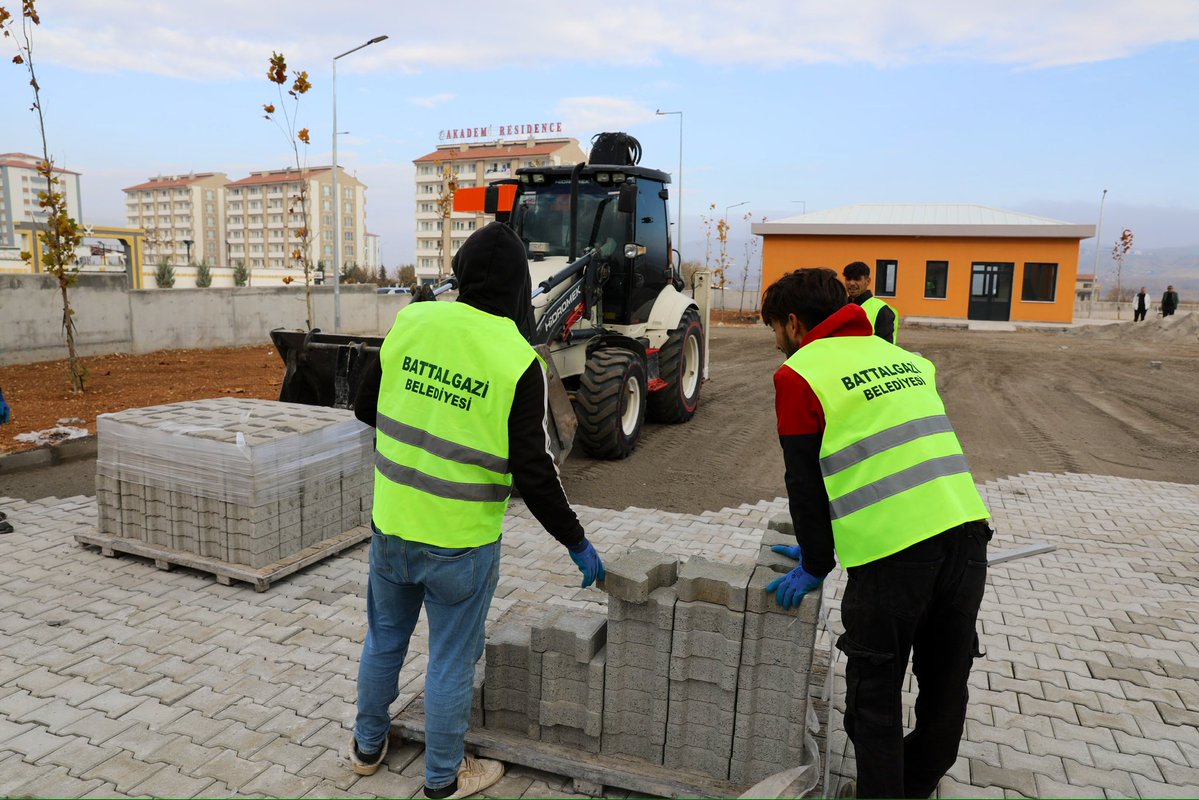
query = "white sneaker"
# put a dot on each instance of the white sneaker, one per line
(476, 774)
(363, 767)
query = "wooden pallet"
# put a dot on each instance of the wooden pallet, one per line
(165, 557)
(590, 772)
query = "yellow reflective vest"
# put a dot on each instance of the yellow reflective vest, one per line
(892, 464)
(872, 307)
(441, 447)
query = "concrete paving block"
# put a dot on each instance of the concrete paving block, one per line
(639, 634)
(691, 691)
(507, 720)
(643, 714)
(699, 616)
(634, 575)
(776, 562)
(781, 626)
(777, 652)
(657, 611)
(635, 745)
(570, 737)
(712, 762)
(629, 663)
(508, 645)
(701, 580)
(781, 524)
(706, 644)
(573, 632)
(570, 715)
(496, 699)
(706, 670)
(759, 601)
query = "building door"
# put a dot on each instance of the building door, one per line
(991, 291)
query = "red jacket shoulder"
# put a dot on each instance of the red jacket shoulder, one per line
(795, 404)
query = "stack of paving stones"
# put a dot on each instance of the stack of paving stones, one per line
(705, 656)
(508, 693)
(776, 661)
(567, 659)
(695, 668)
(242, 481)
(641, 601)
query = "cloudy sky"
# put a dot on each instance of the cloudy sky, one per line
(791, 105)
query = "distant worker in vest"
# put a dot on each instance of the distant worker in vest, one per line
(875, 473)
(459, 408)
(882, 316)
(1140, 305)
(1169, 302)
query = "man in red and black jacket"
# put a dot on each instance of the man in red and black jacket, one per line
(876, 475)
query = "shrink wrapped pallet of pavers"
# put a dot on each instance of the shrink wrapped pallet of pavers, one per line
(705, 657)
(568, 659)
(242, 481)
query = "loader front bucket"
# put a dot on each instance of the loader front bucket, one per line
(324, 369)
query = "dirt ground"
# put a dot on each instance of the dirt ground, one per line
(1021, 402)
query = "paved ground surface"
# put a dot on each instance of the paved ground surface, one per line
(118, 679)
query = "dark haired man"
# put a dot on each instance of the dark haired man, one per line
(882, 317)
(875, 472)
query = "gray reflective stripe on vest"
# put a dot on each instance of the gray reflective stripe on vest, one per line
(892, 485)
(473, 492)
(450, 451)
(883, 440)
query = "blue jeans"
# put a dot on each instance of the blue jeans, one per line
(455, 585)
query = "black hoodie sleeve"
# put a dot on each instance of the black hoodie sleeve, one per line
(884, 325)
(530, 460)
(366, 400)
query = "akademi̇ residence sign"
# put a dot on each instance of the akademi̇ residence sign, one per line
(488, 131)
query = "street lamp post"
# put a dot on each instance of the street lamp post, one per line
(337, 196)
(679, 220)
(1098, 233)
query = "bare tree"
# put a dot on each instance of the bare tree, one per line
(298, 202)
(1122, 249)
(61, 234)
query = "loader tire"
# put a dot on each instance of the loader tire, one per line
(680, 364)
(610, 403)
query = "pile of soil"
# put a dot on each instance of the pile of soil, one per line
(1176, 329)
(40, 394)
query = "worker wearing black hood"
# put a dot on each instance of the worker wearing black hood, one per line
(439, 501)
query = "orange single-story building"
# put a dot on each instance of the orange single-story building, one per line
(930, 260)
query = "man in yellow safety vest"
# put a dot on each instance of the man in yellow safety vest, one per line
(875, 473)
(459, 408)
(882, 317)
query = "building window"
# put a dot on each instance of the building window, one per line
(1040, 283)
(936, 279)
(884, 279)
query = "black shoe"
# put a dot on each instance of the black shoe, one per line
(6, 527)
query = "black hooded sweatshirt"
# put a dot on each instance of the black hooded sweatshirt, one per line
(493, 276)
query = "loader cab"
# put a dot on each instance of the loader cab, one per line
(621, 215)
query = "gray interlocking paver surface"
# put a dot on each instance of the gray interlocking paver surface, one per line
(117, 678)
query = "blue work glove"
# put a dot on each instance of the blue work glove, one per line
(795, 584)
(5, 413)
(588, 562)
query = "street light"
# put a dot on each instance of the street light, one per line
(679, 220)
(734, 205)
(337, 196)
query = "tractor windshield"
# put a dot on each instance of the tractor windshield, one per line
(542, 218)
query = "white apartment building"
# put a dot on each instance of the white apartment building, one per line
(263, 220)
(475, 164)
(183, 217)
(20, 184)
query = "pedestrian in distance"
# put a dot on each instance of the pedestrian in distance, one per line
(876, 476)
(459, 403)
(1140, 305)
(883, 318)
(1169, 302)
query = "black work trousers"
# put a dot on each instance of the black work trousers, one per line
(920, 602)
(1138, 314)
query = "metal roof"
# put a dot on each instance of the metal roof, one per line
(923, 219)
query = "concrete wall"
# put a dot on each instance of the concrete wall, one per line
(112, 319)
(31, 317)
